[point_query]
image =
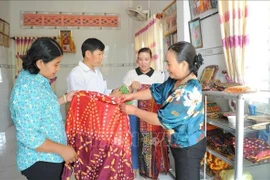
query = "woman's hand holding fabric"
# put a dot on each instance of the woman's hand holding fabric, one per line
(116, 93)
(68, 154)
(136, 85)
(128, 109)
(70, 95)
(127, 97)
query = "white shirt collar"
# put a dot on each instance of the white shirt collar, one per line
(84, 66)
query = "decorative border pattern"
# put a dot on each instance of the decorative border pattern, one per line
(57, 20)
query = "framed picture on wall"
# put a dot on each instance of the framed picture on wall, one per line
(174, 38)
(169, 19)
(195, 33)
(6, 29)
(66, 41)
(201, 9)
(2, 24)
(1, 39)
(208, 73)
(167, 41)
(6, 41)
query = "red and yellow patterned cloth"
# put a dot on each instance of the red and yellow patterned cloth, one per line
(256, 150)
(100, 135)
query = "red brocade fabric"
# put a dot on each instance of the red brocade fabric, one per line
(100, 135)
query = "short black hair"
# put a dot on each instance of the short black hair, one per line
(92, 44)
(185, 51)
(145, 49)
(44, 48)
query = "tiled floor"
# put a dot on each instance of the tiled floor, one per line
(8, 170)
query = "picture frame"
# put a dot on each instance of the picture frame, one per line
(201, 9)
(66, 41)
(167, 42)
(174, 38)
(195, 33)
(1, 39)
(7, 29)
(209, 73)
(2, 24)
(169, 19)
(6, 41)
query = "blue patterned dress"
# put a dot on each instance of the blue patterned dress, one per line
(182, 111)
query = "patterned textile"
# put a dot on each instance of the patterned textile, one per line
(256, 150)
(153, 156)
(98, 131)
(50, 19)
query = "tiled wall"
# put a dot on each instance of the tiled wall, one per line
(6, 71)
(5, 88)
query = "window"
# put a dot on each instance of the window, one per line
(257, 63)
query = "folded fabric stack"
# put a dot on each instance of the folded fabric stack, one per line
(256, 150)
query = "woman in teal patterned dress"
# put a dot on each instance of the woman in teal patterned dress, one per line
(35, 111)
(182, 111)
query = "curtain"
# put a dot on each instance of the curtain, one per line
(257, 63)
(233, 18)
(22, 44)
(150, 35)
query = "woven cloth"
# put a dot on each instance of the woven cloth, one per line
(100, 134)
(153, 149)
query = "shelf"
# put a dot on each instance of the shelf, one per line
(221, 94)
(218, 155)
(246, 163)
(224, 95)
(207, 177)
(224, 124)
(240, 130)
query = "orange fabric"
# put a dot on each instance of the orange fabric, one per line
(100, 135)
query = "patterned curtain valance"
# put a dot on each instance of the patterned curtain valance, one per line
(36, 19)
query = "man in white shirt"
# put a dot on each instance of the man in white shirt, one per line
(86, 75)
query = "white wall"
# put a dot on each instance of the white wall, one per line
(212, 47)
(6, 70)
(118, 42)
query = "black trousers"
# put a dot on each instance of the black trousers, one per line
(44, 171)
(187, 161)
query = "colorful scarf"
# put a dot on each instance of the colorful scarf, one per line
(100, 134)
